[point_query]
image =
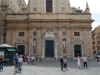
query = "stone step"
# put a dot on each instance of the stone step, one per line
(50, 59)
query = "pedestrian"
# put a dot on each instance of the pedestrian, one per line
(16, 60)
(61, 63)
(65, 64)
(20, 63)
(1, 63)
(79, 62)
(29, 59)
(85, 61)
(32, 59)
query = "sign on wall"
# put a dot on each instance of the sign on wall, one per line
(2, 53)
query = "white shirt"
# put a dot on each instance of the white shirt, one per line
(84, 59)
(20, 59)
(65, 61)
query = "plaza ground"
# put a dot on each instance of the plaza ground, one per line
(53, 68)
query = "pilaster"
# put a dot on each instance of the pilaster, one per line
(39, 43)
(59, 43)
(30, 42)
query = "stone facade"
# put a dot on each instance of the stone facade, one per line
(9, 6)
(61, 31)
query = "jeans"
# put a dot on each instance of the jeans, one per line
(84, 64)
(1, 66)
(19, 66)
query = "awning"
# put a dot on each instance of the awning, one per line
(5, 45)
(11, 49)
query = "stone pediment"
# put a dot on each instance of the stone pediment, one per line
(49, 35)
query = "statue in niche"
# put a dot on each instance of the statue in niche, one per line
(64, 43)
(34, 46)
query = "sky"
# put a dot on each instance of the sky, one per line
(94, 6)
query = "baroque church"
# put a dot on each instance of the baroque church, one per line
(50, 29)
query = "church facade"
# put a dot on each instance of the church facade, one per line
(51, 29)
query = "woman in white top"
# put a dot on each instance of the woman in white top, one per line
(20, 63)
(78, 62)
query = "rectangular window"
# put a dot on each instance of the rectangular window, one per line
(48, 5)
(21, 33)
(64, 33)
(34, 5)
(63, 5)
(97, 47)
(63, 8)
(34, 33)
(76, 33)
(34, 9)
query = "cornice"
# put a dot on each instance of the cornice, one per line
(15, 21)
(61, 20)
(40, 28)
(50, 20)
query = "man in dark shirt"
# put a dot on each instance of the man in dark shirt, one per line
(61, 63)
(16, 60)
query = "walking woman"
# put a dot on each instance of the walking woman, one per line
(20, 63)
(79, 62)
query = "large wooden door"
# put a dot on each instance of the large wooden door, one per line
(77, 50)
(21, 49)
(49, 48)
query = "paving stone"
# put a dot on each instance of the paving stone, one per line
(53, 68)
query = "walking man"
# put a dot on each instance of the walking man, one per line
(85, 61)
(61, 63)
(65, 64)
(16, 60)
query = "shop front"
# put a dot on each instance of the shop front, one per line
(8, 53)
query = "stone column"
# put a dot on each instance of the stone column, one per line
(86, 40)
(90, 43)
(9, 37)
(68, 43)
(29, 47)
(59, 43)
(39, 43)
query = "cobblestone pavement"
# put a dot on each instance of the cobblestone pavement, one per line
(53, 68)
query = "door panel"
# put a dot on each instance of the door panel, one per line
(21, 49)
(49, 48)
(77, 50)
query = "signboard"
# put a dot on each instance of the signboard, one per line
(2, 53)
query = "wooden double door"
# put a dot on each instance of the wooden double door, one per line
(49, 48)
